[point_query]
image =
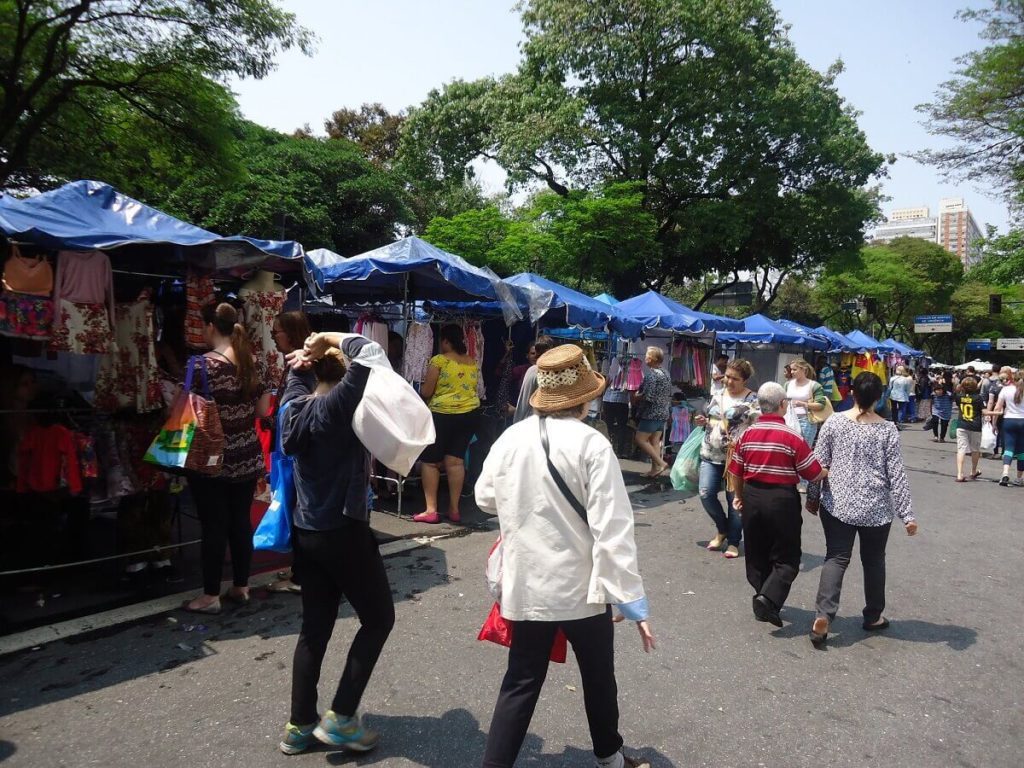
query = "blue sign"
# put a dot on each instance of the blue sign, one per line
(979, 345)
(933, 324)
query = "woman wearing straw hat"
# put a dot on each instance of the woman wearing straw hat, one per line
(568, 555)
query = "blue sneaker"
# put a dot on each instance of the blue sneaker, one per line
(347, 732)
(297, 738)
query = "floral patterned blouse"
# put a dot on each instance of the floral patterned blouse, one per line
(867, 484)
(655, 396)
(456, 386)
(243, 457)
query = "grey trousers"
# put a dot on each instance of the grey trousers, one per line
(839, 537)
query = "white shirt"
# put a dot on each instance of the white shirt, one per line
(1011, 410)
(795, 392)
(555, 566)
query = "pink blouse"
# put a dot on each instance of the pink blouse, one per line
(84, 278)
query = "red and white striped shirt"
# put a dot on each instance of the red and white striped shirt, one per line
(771, 452)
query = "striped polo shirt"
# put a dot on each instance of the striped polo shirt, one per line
(771, 452)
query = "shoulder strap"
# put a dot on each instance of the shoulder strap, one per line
(559, 480)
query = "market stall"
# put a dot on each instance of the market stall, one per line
(769, 345)
(98, 313)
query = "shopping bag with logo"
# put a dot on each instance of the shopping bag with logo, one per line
(192, 439)
(686, 468)
(274, 533)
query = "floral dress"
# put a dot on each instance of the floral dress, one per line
(260, 309)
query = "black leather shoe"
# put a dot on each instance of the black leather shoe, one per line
(765, 610)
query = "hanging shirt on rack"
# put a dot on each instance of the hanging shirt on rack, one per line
(260, 309)
(681, 424)
(199, 292)
(83, 301)
(48, 461)
(419, 346)
(129, 378)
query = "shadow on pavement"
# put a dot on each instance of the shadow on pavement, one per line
(848, 631)
(7, 749)
(160, 644)
(430, 741)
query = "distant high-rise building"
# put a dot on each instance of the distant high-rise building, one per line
(958, 231)
(954, 228)
(908, 222)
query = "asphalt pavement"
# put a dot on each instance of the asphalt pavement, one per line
(942, 687)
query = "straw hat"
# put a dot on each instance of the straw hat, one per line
(564, 380)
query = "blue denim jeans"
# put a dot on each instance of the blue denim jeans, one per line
(709, 485)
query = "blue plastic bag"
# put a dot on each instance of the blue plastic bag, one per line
(686, 469)
(274, 533)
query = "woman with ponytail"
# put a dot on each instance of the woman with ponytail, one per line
(223, 502)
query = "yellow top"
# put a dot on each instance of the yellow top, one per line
(456, 386)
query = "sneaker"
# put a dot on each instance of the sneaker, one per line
(297, 738)
(1019, 482)
(347, 732)
(1004, 480)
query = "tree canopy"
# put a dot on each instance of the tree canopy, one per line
(982, 108)
(102, 87)
(744, 156)
(321, 192)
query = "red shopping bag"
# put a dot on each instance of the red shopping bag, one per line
(497, 629)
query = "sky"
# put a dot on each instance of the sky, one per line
(896, 54)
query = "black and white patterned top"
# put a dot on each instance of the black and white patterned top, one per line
(655, 396)
(867, 484)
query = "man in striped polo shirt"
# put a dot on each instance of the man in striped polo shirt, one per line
(766, 466)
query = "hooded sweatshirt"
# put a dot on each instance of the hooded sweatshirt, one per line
(331, 464)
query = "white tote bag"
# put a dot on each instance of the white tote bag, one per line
(392, 420)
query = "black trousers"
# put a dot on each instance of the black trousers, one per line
(593, 644)
(345, 561)
(616, 416)
(223, 507)
(771, 528)
(939, 427)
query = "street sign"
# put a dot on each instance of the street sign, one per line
(1011, 345)
(850, 306)
(979, 345)
(933, 324)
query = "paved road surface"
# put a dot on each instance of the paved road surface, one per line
(942, 688)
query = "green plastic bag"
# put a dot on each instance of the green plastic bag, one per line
(952, 428)
(686, 469)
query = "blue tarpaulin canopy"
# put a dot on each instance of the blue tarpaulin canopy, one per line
(91, 215)
(653, 310)
(409, 268)
(758, 329)
(840, 343)
(868, 343)
(807, 330)
(606, 298)
(904, 349)
(577, 310)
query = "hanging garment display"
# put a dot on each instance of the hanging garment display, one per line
(48, 461)
(260, 309)
(25, 316)
(129, 377)
(373, 329)
(82, 329)
(33, 276)
(419, 348)
(475, 349)
(83, 302)
(199, 292)
(681, 424)
(634, 375)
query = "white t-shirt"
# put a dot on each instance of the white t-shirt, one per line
(1011, 409)
(796, 392)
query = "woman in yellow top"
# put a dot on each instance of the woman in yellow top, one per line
(450, 390)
